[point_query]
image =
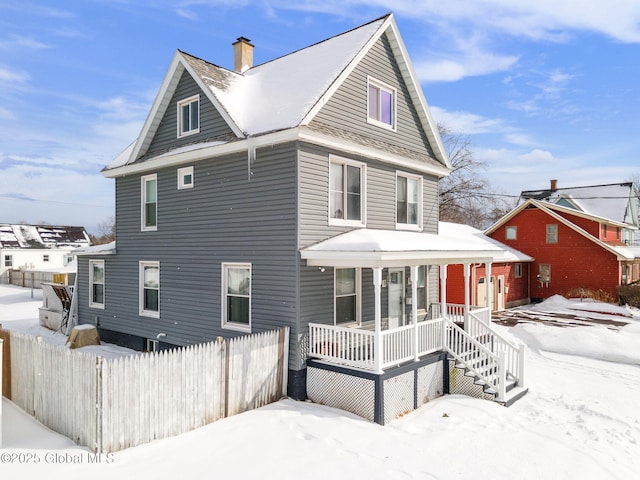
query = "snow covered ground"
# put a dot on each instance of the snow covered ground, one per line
(580, 420)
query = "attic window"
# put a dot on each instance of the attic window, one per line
(381, 102)
(189, 116)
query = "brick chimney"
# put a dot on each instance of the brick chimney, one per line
(554, 185)
(242, 54)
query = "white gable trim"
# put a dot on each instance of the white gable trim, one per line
(216, 149)
(161, 103)
(411, 80)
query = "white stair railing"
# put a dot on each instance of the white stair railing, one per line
(499, 345)
(476, 358)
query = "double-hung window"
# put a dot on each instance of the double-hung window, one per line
(189, 116)
(346, 297)
(552, 233)
(150, 202)
(8, 260)
(381, 104)
(96, 278)
(150, 289)
(421, 289)
(346, 192)
(408, 201)
(236, 296)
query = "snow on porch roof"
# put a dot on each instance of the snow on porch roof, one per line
(389, 248)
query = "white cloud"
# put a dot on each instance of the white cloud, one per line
(465, 122)
(19, 41)
(9, 75)
(460, 65)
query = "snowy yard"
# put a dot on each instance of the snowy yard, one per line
(579, 420)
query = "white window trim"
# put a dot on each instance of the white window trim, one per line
(179, 107)
(93, 304)
(334, 159)
(551, 226)
(517, 270)
(410, 226)
(240, 327)
(143, 194)
(183, 172)
(8, 261)
(512, 228)
(358, 295)
(142, 311)
(394, 93)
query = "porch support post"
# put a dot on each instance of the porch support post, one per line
(443, 288)
(414, 311)
(487, 268)
(467, 296)
(377, 338)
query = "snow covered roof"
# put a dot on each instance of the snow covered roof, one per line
(384, 248)
(474, 237)
(612, 201)
(284, 93)
(102, 249)
(42, 236)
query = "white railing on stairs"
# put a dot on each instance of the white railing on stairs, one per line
(475, 357)
(499, 345)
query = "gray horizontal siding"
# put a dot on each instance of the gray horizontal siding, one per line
(313, 197)
(229, 216)
(347, 108)
(212, 125)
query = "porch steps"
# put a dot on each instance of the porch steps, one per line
(514, 391)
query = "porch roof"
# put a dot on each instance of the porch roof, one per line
(371, 248)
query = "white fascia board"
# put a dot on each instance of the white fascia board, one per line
(393, 259)
(170, 81)
(413, 84)
(290, 135)
(344, 74)
(370, 152)
(213, 99)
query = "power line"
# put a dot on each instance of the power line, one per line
(36, 200)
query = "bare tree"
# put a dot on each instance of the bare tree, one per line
(465, 195)
(107, 230)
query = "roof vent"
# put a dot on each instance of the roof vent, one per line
(242, 55)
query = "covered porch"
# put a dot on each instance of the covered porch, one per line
(378, 346)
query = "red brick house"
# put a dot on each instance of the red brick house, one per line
(574, 249)
(509, 272)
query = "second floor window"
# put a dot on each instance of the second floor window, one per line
(408, 211)
(346, 192)
(552, 233)
(189, 116)
(8, 260)
(150, 202)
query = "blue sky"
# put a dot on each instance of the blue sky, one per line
(544, 90)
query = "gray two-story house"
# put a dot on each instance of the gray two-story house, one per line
(302, 192)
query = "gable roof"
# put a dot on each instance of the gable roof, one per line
(551, 209)
(614, 201)
(285, 93)
(42, 236)
(474, 238)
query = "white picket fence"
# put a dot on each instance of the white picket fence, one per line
(117, 403)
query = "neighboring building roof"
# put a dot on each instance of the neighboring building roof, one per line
(552, 209)
(42, 236)
(473, 237)
(285, 93)
(614, 201)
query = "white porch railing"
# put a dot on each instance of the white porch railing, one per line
(355, 347)
(481, 348)
(455, 312)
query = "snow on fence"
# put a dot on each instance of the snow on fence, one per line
(117, 403)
